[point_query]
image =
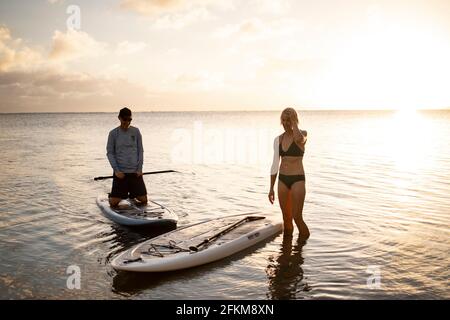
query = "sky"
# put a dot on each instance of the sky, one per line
(180, 55)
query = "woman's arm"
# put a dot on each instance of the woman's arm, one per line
(111, 151)
(276, 158)
(274, 168)
(299, 135)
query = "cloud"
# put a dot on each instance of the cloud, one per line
(14, 55)
(154, 7)
(248, 28)
(300, 67)
(75, 44)
(5, 33)
(181, 20)
(50, 91)
(272, 7)
(177, 14)
(126, 47)
(29, 81)
(160, 7)
(201, 80)
(65, 47)
(255, 29)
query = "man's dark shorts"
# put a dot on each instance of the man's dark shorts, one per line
(131, 186)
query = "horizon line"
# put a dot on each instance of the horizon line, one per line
(217, 111)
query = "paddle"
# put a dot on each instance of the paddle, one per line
(233, 226)
(153, 172)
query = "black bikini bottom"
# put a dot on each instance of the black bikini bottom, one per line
(290, 180)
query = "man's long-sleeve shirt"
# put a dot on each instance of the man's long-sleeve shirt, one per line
(124, 150)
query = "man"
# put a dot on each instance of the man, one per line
(126, 156)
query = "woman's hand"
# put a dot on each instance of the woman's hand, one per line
(293, 120)
(304, 136)
(271, 196)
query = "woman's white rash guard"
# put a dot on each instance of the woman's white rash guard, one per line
(276, 156)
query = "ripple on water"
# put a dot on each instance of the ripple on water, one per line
(362, 206)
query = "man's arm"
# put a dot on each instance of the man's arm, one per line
(140, 152)
(111, 151)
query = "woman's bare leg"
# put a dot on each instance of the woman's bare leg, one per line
(284, 199)
(298, 193)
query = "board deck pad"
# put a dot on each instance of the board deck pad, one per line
(130, 212)
(171, 251)
(132, 209)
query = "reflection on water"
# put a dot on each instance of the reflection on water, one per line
(133, 283)
(379, 180)
(121, 237)
(285, 273)
(128, 283)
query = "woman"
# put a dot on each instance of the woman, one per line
(290, 147)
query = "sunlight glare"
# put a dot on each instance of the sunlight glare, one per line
(408, 144)
(390, 66)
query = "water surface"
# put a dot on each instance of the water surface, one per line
(377, 205)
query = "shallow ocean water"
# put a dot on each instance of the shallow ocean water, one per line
(377, 205)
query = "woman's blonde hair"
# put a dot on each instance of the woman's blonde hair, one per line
(288, 112)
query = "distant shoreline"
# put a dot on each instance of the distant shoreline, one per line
(227, 111)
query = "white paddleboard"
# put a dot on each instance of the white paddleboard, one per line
(128, 213)
(188, 246)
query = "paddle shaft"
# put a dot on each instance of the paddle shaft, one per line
(233, 226)
(153, 172)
